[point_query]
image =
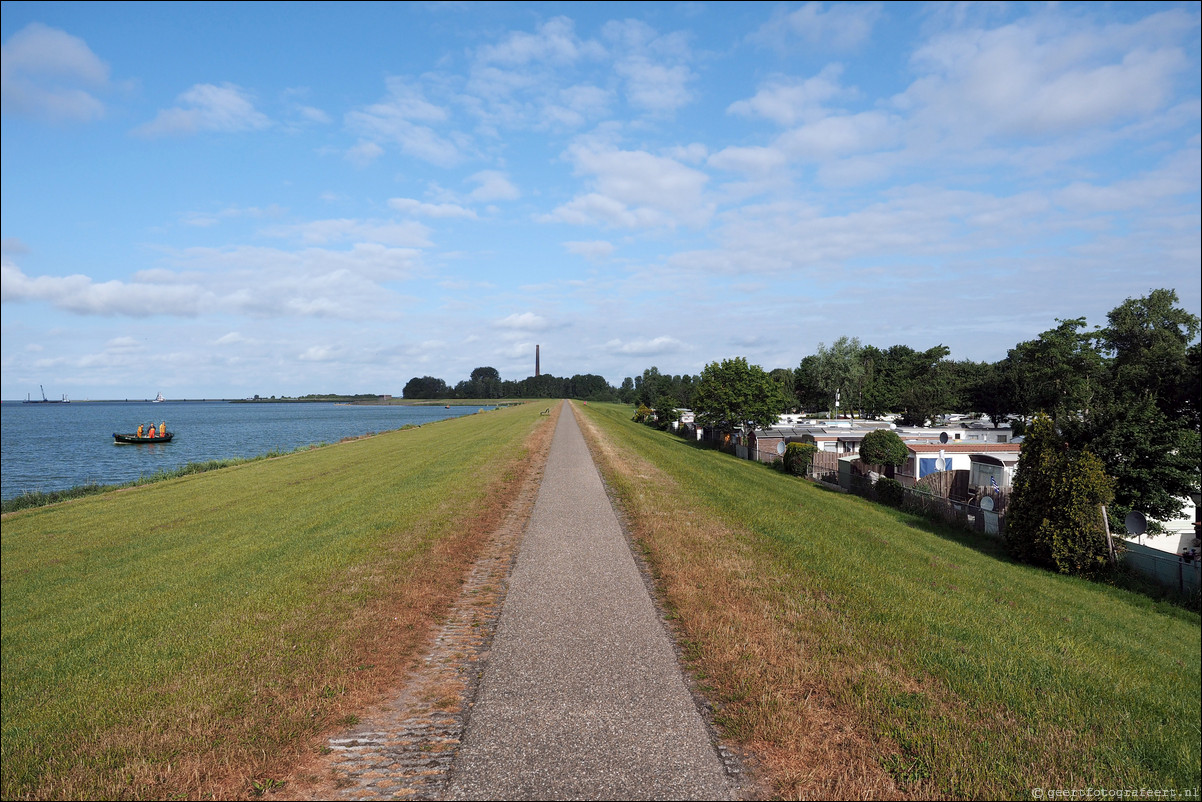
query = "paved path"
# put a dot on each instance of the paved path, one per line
(582, 697)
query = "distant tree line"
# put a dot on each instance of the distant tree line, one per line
(1127, 392)
(486, 383)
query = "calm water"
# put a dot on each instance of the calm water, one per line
(57, 446)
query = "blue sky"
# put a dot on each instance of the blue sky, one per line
(218, 200)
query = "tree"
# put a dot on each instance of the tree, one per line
(784, 379)
(1143, 423)
(807, 387)
(927, 380)
(983, 389)
(1148, 342)
(837, 373)
(733, 394)
(425, 387)
(1055, 514)
(485, 383)
(1058, 374)
(626, 391)
(874, 399)
(883, 447)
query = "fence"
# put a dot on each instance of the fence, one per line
(928, 505)
(825, 466)
(1167, 570)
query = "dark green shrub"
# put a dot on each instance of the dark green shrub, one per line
(883, 447)
(890, 491)
(798, 457)
(1055, 513)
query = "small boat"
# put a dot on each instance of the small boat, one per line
(133, 439)
(159, 399)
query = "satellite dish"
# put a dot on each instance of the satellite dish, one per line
(1136, 523)
(780, 448)
(943, 437)
(986, 503)
(940, 464)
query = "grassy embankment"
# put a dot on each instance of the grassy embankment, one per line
(865, 653)
(193, 637)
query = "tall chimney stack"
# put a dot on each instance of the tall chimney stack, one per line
(536, 373)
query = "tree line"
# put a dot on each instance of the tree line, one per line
(1128, 392)
(486, 383)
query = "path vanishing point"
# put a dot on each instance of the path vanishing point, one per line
(581, 695)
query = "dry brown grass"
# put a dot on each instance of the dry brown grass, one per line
(747, 642)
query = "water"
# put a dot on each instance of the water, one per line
(46, 447)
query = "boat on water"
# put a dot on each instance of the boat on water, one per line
(158, 399)
(133, 439)
(45, 400)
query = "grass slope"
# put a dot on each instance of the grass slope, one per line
(187, 637)
(864, 653)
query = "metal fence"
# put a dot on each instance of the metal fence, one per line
(1167, 570)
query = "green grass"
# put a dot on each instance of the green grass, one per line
(974, 676)
(38, 498)
(217, 616)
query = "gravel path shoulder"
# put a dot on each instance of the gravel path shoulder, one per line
(582, 696)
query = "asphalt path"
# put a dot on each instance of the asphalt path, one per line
(582, 696)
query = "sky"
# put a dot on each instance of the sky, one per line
(221, 200)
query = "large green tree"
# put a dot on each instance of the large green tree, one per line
(1143, 420)
(732, 394)
(425, 387)
(1060, 373)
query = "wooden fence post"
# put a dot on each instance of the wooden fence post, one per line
(1109, 539)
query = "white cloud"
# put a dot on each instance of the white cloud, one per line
(408, 233)
(843, 26)
(1038, 77)
(207, 107)
(260, 282)
(525, 321)
(789, 101)
(320, 353)
(657, 88)
(654, 347)
(399, 119)
(411, 206)
(843, 135)
(81, 295)
(755, 160)
(635, 189)
(493, 185)
(364, 153)
(595, 250)
(654, 67)
(124, 345)
(555, 42)
(50, 74)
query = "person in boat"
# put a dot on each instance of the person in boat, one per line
(163, 429)
(140, 427)
(152, 431)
